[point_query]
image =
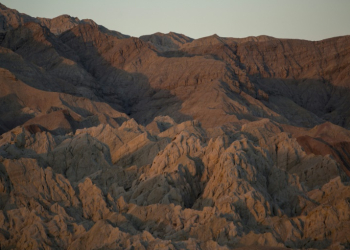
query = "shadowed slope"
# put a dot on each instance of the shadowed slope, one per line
(227, 146)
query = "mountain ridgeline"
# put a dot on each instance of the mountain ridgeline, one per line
(166, 142)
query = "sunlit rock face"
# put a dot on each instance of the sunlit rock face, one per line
(165, 142)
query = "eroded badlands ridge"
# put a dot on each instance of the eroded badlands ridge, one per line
(165, 142)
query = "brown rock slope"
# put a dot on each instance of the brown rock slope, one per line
(165, 142)
(167, 42)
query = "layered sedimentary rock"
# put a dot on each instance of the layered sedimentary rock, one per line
(165, 142)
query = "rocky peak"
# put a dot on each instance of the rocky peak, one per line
(3, 7)
(62, 23)
(166, 42)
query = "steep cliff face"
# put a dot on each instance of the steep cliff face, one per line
(165, 142)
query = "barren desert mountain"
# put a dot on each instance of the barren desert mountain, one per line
(166, 142)
(165, 42)
(11, 18)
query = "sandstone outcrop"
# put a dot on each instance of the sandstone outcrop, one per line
(165, 142)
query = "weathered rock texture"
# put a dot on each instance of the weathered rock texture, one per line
(164, 142)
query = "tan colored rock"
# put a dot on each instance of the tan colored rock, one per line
(93, 205)
(165, 142)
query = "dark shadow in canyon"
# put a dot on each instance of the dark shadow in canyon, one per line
(126, 92)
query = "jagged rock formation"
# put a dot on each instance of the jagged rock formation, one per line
(165, 142)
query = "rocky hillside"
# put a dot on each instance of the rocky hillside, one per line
(165, 142)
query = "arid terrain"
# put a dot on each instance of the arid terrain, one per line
(166, 142)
